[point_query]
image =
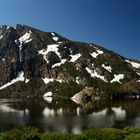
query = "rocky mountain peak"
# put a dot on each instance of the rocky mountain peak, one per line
(47, 61)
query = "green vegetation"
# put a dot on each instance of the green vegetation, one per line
(113, 90)
(64, 89)
(31, 133)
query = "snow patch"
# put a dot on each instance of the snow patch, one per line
(27, 80)
(70, 50)
(3, 59)
(43, 52)
(108, 68)
(55, 38)
(47, 80)
(95, 74)
(138, 74)
(117, 78)
(134, 64)
(59, 64)
(60, 42)
(16, 41)
(60, 81)
(75, 57)
(1, 36)
(20, 77)
(50, 48)
(25, 38)
(100, 52)
(53, 34)
(95, 54)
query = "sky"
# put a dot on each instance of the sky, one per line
(113, 24)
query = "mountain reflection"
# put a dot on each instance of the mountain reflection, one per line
(67, 116)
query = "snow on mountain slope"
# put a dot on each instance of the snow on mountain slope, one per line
(1, 36)
(75, 57)
(95, 74)
(117, 78)
(20, 77)
(95, 54)
(26, 38)
(59, 64)
(50, 48)
(108, 68)
(47, 59)
(134, 64)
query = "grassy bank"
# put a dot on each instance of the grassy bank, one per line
(30, 133)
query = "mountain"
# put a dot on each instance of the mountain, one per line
(34, 62)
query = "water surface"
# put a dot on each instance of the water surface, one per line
(67, 116)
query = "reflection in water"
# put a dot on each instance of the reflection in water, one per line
(66, 116)
(48, 99)
(120, 113)
(107, 117)
(7, 108)
(10, 115)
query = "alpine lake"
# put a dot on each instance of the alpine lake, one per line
(67, 116)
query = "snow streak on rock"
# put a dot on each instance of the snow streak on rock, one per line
(50, 48)
(55, 38)
(53, 34)
(59, 64)
(95, 54)
(47, 80)
(138, 74)
(117, 78)
(108, 68)
(20, 77)
(1, 37)
(26, 38)
(95, 74)
(134, 64)
(75, 57)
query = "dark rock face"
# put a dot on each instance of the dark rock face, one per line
(8, 54)
(48, 55)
